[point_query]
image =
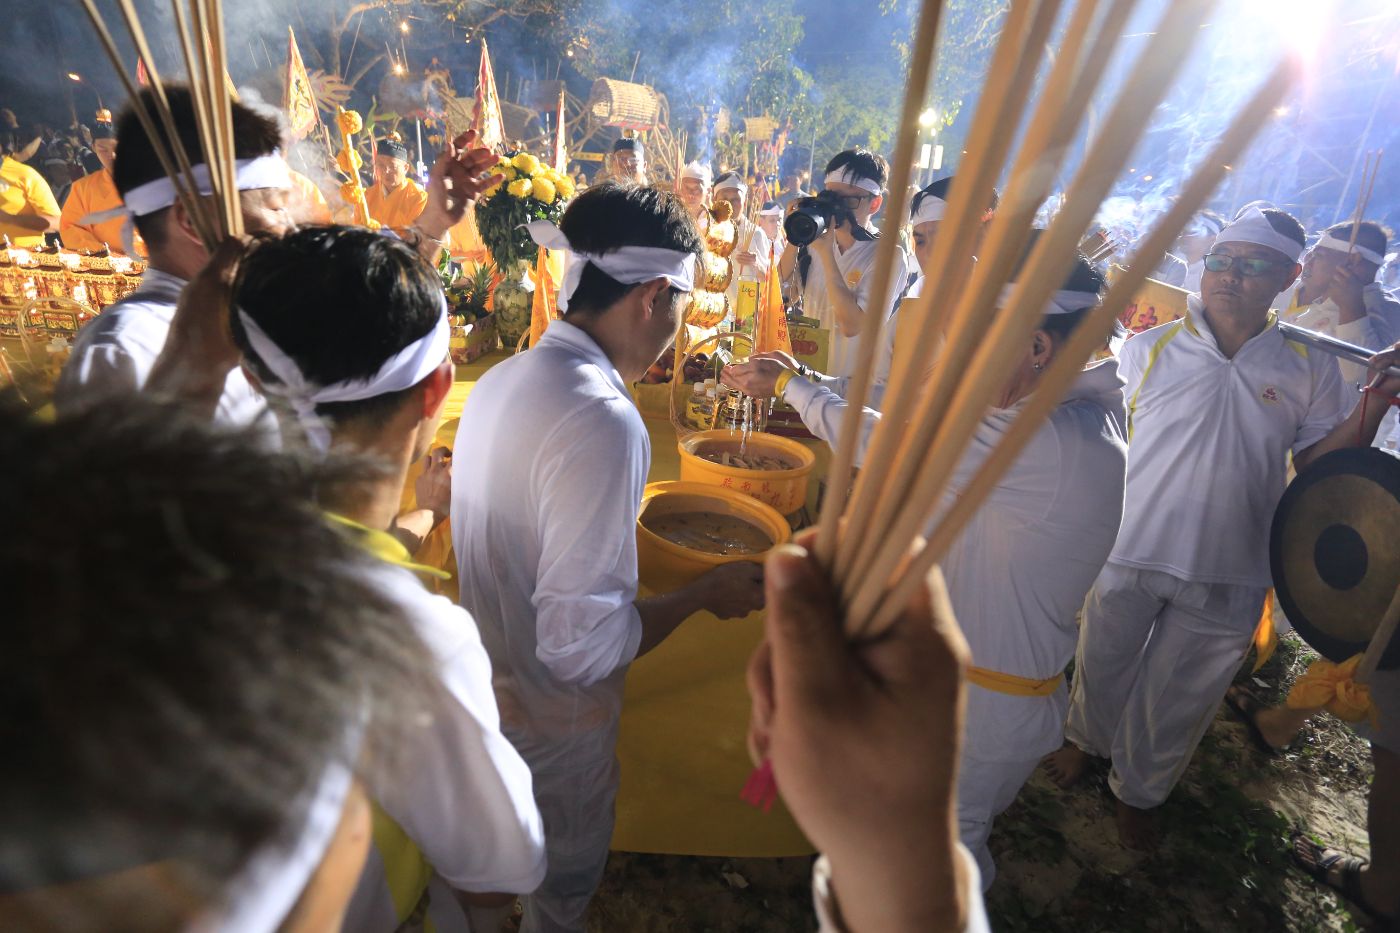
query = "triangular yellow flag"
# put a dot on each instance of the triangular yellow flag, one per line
(297, 99)
(542, 307)
(771, 328)
(487, 120)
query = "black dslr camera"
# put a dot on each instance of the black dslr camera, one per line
(811, 216)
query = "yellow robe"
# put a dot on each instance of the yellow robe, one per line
(94, 194)
(23, 191)
(400, 208)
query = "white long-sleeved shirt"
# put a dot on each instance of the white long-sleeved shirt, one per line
(114, 353)
(544, 527)
(456, 786)
(1019, 572)
(1209, 444)
(856, 266)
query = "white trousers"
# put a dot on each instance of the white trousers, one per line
(1156, 655)
(575, 783)
(985, 790)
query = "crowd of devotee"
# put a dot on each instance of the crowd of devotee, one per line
(266, 703)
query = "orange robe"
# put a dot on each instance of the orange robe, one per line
(400, 208)
(80, 226)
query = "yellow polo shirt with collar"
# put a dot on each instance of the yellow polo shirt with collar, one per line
(23, 191)
(400, 208)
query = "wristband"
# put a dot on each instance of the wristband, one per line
(782, 382)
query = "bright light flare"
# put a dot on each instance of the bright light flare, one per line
(1302, 25)
(403, 26)
(928, 118)
(74, 76)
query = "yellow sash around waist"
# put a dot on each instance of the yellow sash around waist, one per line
(1011, 685)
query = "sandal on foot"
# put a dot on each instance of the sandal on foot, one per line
(1246, 707)
(1315, 860)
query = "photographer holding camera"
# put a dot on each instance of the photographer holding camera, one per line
(832, 231)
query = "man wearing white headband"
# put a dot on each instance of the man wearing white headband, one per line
(693, 188)
(836, 287)
(1216, 403)
(348, 327)
(770, 221)
(114, 354)
(545, 526)
(1018, 573)
(1338, 292)
(751, 248)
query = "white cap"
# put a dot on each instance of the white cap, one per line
(699, 172)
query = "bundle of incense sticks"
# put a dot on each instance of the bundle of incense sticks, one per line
(1369, 170)
(871, 536)
(201, 36)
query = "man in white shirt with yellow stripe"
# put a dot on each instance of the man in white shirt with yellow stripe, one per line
(1216, 403)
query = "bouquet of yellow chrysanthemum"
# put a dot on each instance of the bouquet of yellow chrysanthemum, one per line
(528, 190)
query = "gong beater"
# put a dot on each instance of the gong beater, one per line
(1334, 550)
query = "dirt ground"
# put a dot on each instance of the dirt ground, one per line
(1223, 865)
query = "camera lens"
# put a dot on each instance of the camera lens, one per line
(802, 227)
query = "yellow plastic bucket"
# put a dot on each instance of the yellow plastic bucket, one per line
(784, 490)
(664, 565)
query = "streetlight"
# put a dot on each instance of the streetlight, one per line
(928, 118)
(78, 79)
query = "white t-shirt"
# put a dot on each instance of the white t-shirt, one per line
(1019, 572)
(552, 458)
(458, 788)
(1209, 439)
(114, 353)
(856, 266)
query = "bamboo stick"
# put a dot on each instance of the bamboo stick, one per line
(1033, 173)
(915, 91)
(1380, 641)
(200, 218)
(225, 119)
(1363, 194)
(1054, 253)
(953, 254)
(1090, 335)
(189, 196)
(192, 76)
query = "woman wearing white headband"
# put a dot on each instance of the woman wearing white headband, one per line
(545, 526)
(836, 288)
(1217, 401)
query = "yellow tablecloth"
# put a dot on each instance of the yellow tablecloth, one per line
(686, 711)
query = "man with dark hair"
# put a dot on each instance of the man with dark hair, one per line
(93, 214)
(627, 163)
(545, 527)
(1216, 402)
(193, 710)
(395, 200)
(350, 328)
(115, 353)
(836, 285)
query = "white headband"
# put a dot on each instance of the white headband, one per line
(1328, 241)
(848, 177)
(931, 208)
(628, 264)
(731, 180)
(698, 172)
(1251, 226)
(403, 370)
(269, 886)
(269, 171)
(775, 211)
(1060, 302)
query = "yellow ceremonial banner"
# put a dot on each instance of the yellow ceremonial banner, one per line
(561, 154)
(542, 306)
(297, 99)
(1155, 303)
(746, 305)
(771, 330)
(487, 120)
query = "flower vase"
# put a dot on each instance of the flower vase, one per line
(511, 301)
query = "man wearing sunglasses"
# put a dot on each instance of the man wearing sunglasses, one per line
(839, 300)
(1216, 403)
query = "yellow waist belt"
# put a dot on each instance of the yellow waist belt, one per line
(1011, 685)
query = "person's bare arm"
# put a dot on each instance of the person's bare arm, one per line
(729, 591)
(455, 182)
(28, 224)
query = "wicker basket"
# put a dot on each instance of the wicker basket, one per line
(625, 105)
